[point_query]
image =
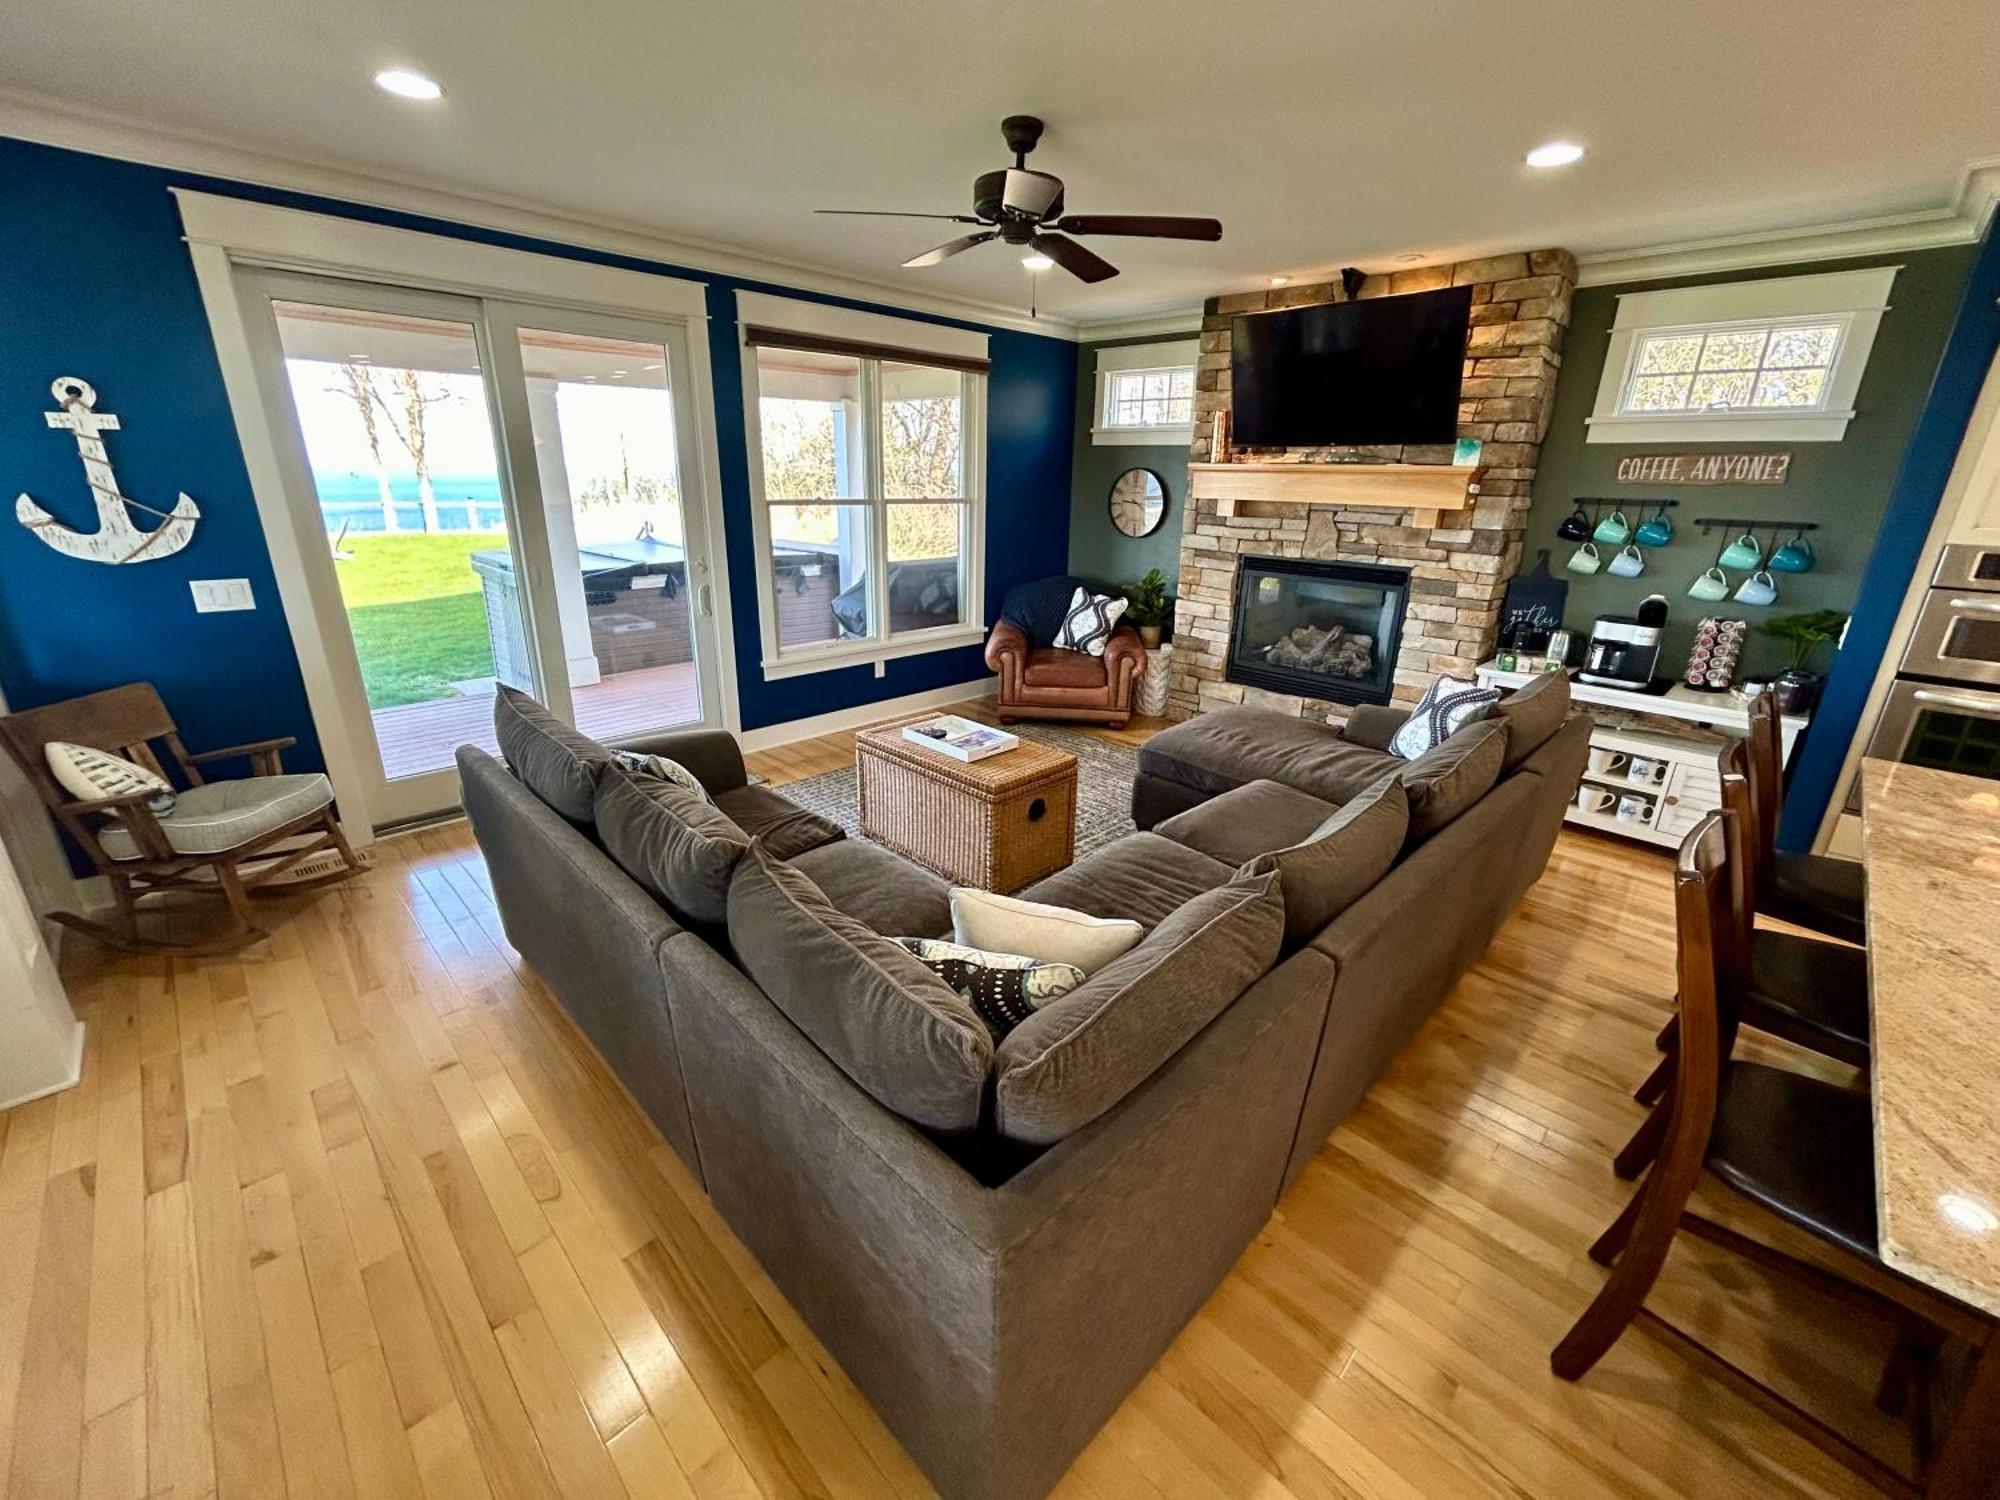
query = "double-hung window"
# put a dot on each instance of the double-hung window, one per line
(1145, 393)
(1778, 360)
(867, 464)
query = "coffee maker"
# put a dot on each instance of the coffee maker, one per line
(1624, 649)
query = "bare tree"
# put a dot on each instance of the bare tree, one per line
(409, 425)
(357, 384)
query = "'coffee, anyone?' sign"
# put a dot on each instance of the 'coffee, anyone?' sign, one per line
(1704, 468)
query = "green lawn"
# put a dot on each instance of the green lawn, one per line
(418, 618)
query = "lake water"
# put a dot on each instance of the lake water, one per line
(465, 502)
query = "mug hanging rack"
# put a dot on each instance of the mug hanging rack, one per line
(1626, 502)
(1753, 523)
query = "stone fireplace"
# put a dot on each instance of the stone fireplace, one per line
(1455, 562)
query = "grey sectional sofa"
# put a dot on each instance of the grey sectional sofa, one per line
(995, 1300)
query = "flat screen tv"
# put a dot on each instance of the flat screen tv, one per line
(1382, 370)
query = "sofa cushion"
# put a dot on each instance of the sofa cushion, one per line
(662, 767)
(1142, 876)
(1056, 934)
(676, 843)
(787, 829)
(1215, 752)
(1089, 621)
(1444, 782)
(1003, 989)
(878, 889)
(552, 760)
(1076, 1058)
(1052, 666)
(1254, 819)
(1532, 713)
(1329, 870)
(878, 1014)
(1447, 706)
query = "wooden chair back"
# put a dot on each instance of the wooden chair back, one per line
(122, 721)
(1739, 796)
(1710, 922)
(1764, 747)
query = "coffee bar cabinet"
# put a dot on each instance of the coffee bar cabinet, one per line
(1652, 769)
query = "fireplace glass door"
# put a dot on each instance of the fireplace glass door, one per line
(1317, 629)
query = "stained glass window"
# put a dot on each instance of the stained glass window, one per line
(1765, 367)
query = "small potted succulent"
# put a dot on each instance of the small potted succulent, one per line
(1148, 606)
(1797, 687)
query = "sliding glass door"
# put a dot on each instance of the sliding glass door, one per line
(500, 490)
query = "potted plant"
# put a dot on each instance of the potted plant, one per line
(1798, 688)
(1147, 606)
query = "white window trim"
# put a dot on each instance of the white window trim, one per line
(1856, 299)
(1176, 354)
(761, 310)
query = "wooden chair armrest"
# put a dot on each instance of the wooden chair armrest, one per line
(262, 754)
(132, 811)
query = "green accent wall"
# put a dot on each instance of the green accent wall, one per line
(1844, 486)
(1097, 549)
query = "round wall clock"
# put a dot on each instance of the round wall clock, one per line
(1138, 502)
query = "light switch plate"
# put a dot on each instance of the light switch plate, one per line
(214, 595)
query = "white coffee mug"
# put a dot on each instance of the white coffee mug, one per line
(1594, 799)
(1607, 762)
(1635, 810)
(1652, 772)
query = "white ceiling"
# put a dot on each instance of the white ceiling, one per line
(1320, 135)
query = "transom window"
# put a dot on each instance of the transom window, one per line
(1149, 398)
(1773, 367)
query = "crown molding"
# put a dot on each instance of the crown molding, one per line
(51, 122)
(1141, 325)
(1963, 222)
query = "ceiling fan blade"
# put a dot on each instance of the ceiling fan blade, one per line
(1085, 265)
(1153, 226)
(950, 248)
(890, 213)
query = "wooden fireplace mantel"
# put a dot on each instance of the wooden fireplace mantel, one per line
(1428, 491)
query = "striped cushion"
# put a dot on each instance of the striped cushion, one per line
(225, 815)
(1448, 705)
(1089, 622)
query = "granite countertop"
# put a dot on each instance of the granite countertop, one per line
(1932, 852)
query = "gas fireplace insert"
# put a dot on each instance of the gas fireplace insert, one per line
(1317, 629)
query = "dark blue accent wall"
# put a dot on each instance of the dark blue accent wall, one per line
(1899, 541)
(95, 282)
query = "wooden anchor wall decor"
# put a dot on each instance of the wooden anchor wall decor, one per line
(117, 539)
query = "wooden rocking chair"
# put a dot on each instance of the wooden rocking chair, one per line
(223, 839)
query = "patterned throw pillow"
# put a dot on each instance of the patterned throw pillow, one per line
(1448, 705)
(1089, 621)
(93, 776)
(1003, 988)
(660, 766)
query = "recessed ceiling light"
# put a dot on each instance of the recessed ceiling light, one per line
(1555, 154)
(1410, 259)
(1281, 281)
(405, 84)
(1036, 262)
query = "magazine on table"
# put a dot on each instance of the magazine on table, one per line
(961, 739)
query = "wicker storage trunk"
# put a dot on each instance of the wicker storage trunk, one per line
(998, 823)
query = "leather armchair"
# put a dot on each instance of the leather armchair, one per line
(1046, 682)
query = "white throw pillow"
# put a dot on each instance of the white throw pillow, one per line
(1054, 934)
(662, 767)
(1448, 705)
(1088, 624)
(95, 776)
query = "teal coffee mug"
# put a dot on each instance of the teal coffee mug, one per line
(1629, 563)
(1656, 532)
(1796, 556)
(1711, 588)
(1585, 559)
(1614, 530)
(1759, 588)
(1744, 552)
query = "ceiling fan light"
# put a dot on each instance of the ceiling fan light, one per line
(1037, 262)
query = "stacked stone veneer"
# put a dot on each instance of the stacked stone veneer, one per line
(1513, 349)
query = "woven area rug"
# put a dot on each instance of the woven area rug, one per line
(1104, 773)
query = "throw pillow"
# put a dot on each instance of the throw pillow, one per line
(550, 759)
(864, 1000)
(1088, 624)
(1328, 872)
(677, 844)
(1077, 1057)
(1003, 988)
(1448, 705)
(1448, 780)
(1054, 934)
(92, 775)
(1533, 714)
(662, 768)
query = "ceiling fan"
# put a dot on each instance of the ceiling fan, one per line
(1020, 207)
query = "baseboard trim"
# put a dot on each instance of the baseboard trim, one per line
(771, 736)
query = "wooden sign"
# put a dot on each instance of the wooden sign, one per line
(1704, 468)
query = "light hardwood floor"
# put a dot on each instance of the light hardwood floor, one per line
(357, 1213)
